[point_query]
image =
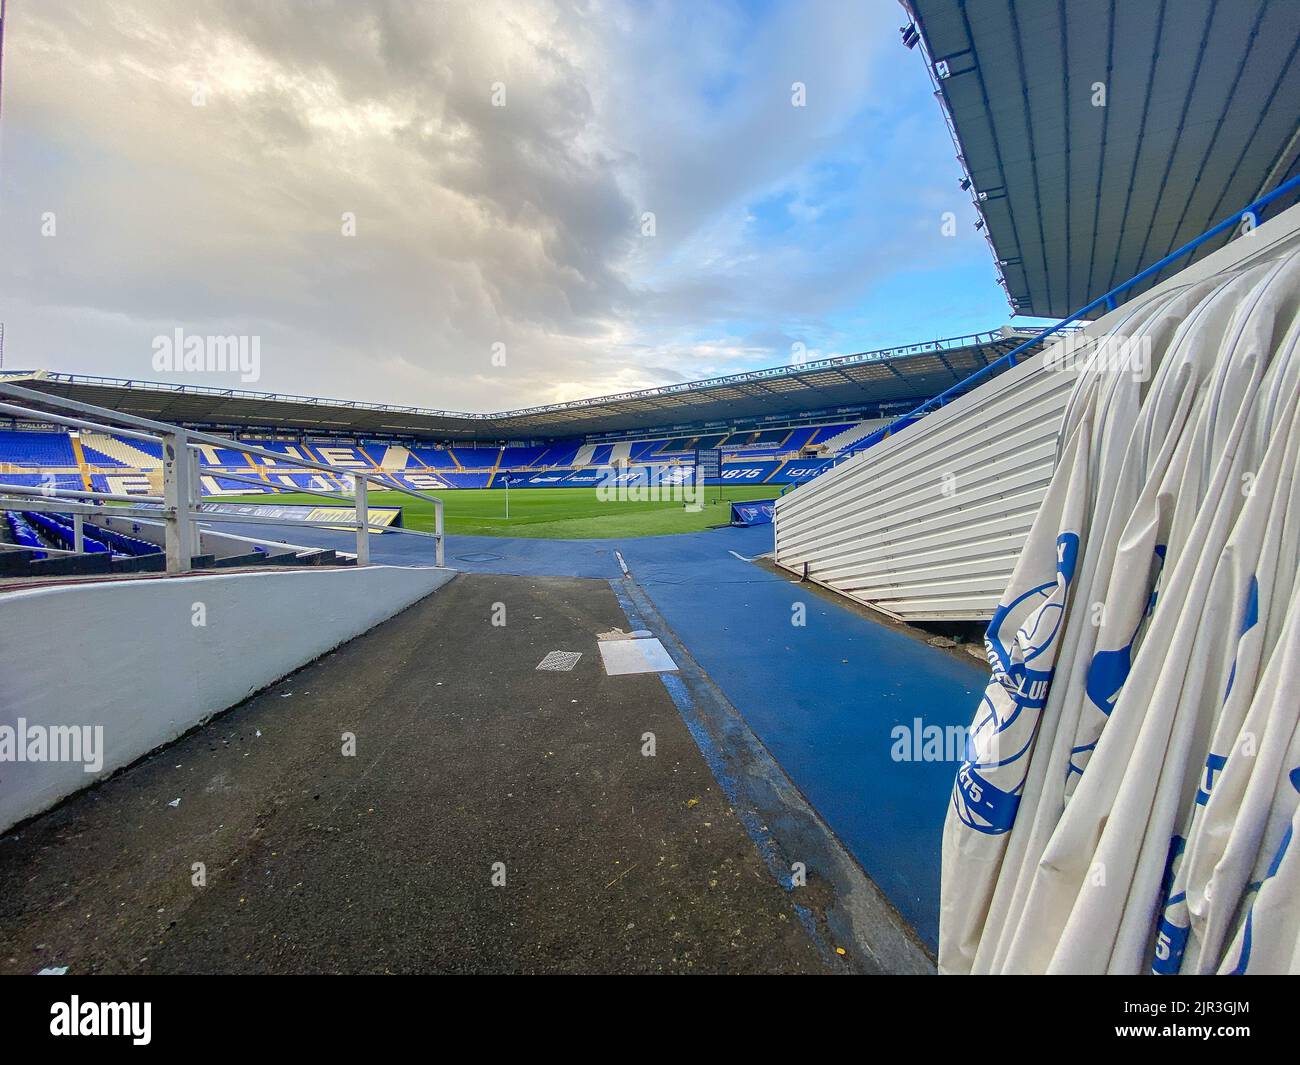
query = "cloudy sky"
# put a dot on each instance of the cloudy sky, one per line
(191, 165)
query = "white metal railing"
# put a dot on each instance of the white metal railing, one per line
(178, 506)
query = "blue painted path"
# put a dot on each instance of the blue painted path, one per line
(824, 698)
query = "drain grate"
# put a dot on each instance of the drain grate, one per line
(559, 661)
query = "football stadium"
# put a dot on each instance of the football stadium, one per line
(975, 652)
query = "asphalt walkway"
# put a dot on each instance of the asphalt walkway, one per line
(824, 697)
(470, 766)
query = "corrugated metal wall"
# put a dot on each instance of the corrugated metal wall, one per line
(927, 524)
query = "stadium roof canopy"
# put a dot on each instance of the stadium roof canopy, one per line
(1080, 192)
(894, 377)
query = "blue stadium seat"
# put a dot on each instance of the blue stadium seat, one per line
(24, 534)
(121, 543)
(799, 438)
(477, 458)
(227, 485)
(560, 454)
(827, 431)
(67, 481)
(228, 459)
(512, 457)
(643, 449)
(437, 458)
(752, 456)
(57, 529)
(20, 447)
(466, 480)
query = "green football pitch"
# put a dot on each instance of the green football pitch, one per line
(557, 513)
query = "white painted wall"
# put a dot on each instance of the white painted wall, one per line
(126, 655)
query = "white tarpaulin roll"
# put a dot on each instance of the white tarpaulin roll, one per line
(1119, 810)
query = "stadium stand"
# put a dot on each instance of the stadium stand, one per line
(797, 439)
(877, 529)
(641, 450)
(121, 543)
(346, 455)
(103, 449)
(221, 486)
(435, 458)
(780, 455)
(420, 482)
(796, 471)
(826, 432)
(58, 530)
(40, 449)
(395, 457)
(685, 445)
(760, 420)
(46, 479)
(476, 458)
(562, 454)
(512, 457)
(850, 435)
(222, 458)
(467, 480)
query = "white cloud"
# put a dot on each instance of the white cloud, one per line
(475, 224)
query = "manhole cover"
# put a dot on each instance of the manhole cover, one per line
(478, 558)
(560, 661)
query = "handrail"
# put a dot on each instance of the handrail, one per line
(1107, 300)
(181, 473)
(75, 423)
(281, 487)
(44, 547)
(75, 493)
